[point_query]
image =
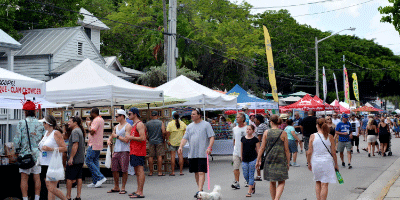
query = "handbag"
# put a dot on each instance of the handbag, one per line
(265, 155)
(338, 175)
(26, 161)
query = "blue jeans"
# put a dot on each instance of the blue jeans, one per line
(248, 171)
(92, 161)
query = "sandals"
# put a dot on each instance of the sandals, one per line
(122, 192)
(248, 195)
(254, 188)
(134, 195)
(113, 191)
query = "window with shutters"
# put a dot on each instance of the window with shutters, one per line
(80, 48)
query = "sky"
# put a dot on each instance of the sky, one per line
(365, 17)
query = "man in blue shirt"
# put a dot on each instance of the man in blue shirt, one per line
(343, 129)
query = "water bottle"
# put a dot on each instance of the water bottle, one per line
(339, 177)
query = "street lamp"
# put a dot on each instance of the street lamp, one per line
(316, 57)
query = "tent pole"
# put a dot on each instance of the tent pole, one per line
(7, 128)
(204, 107)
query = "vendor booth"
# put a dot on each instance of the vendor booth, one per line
(342, 109)
(202, 97)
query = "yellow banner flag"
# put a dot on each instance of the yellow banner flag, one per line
(271, 70)
(355, 86)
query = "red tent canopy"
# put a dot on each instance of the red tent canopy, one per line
(327, 106)
(367, 109)
(306, 103)
(342, 109)
(232, 112)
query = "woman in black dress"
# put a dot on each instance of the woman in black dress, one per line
(384, 135)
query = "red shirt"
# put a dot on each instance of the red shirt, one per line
(137, 148)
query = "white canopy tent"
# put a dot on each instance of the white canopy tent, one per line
(88, 84)
(196, 94)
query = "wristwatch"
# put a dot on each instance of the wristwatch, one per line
(118, 137)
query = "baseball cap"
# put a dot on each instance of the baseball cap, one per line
(135, 111)
(154, 113)
(44, 120)
(121, 112)
(284, 116)
(345, 116)
(245, 108)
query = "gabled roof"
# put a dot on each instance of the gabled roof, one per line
(90, 21)
(132, 72)
(45, 41)
(110, 60)
(7, 41)
(70, 64)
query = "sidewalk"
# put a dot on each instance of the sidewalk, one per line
(386, 186)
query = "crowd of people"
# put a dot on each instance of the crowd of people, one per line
(268, 143)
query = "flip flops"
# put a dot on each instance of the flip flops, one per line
(122, 192)
(248, 195)
(161, 175)
(134, 195)
(113, 191)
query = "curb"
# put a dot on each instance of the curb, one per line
(380, 187)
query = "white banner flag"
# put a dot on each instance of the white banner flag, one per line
(337, 94)
(324, 83)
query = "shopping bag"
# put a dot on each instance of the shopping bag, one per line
(55, 172)
(108, 158)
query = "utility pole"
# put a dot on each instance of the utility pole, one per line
(165, 22)
(172, 52)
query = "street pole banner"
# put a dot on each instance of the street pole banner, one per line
(324, 83)
(337, 94)
(347, 89)
(355, 86)
(271, 70)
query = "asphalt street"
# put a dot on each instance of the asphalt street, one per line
(300, 184)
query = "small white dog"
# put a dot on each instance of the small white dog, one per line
(214, 195)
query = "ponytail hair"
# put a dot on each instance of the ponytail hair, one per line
(79, 123)
(276, 120)
(177, 123)
(324, 127)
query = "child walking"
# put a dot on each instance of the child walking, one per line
(250, 146)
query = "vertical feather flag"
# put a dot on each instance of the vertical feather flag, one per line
(324, 83)
(337, 94)
(271, 70)
(347, 89)
(355, 86)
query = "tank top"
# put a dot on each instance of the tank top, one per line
(383, 130)
(319, 149)
(137, 148)
(372, 132)
(48, 141)
(119, 145)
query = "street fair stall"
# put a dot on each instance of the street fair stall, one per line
(308, 103)
(199, 96)
(89, 85)
(342, 109)
(15, 90)
(367, 109)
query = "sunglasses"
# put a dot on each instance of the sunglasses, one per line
(130, 114)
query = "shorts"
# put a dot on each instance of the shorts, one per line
(371, 138)
(172, 148)
(137, 160)
(292, 146)
(300, 136)
(74, 172)
(306, 140)
(342, 145)
(236, 162)
(156, 150)
(197, 165)
(33, 170)
(120, 161)
(355, 141)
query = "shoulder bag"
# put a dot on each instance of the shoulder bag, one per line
(27, 161)
(265, 156)
(338, 175)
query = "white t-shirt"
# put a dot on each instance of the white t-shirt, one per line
(356, 126)
(238, 133)
(336, 121)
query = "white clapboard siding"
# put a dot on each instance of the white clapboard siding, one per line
(70, 51)
(34, 67)
(96, 38)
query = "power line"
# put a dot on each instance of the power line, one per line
(334, 9)
(295, 5)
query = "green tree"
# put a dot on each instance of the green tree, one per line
(392, 14)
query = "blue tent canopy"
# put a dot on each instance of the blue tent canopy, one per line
(243, 96)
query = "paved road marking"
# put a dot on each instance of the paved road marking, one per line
(386, 189)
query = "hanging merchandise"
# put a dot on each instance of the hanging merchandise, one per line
(355, 86)
(347, 89)
(271, 70)
(337, 94)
